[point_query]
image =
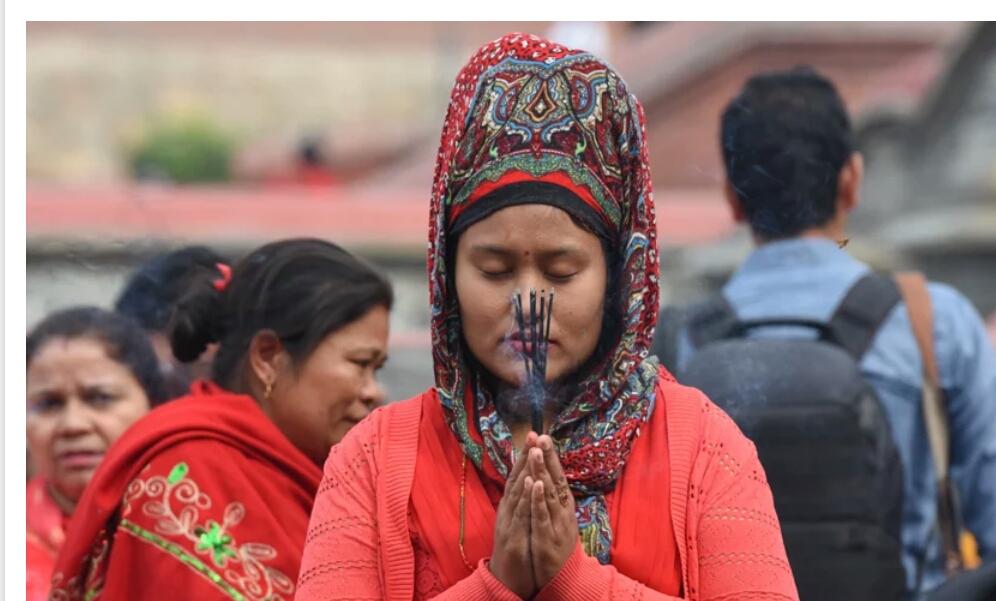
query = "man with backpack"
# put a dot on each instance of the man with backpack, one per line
(871, 397)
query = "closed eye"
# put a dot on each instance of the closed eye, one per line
(561, 277)
(493, 275)
(376, 364)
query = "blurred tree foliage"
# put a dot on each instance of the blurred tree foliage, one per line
(182, 150)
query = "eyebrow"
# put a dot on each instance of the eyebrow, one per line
(40, 391)
(494, 249)
(94, 384)
(103, 384)
(362, 350)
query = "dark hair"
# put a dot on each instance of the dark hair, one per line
(302, 290)
(153, 289)
(123, 338)
(785, 138)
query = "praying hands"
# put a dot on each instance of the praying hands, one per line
(536, 531)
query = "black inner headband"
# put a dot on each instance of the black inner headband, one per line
(534, 192)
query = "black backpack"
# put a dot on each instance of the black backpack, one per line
(975, 585)
(820, 432)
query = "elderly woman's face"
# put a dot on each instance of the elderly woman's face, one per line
(79, 402)
(523, 247)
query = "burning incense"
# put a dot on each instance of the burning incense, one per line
(535, 336)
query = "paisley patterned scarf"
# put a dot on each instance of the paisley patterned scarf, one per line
(525, 109)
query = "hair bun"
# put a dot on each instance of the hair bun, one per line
(196, 321)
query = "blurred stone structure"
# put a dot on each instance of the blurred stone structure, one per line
(931, 190)
(90, 85)
(929, 201)
(923, 96)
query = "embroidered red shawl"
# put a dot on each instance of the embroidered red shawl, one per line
(204, 498)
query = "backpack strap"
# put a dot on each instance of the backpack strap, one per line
(862, 312)
(853, 325)
(665, 343)
(935, 415)
(711, 320)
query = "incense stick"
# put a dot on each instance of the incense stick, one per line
(545, 322)
(549, 321)
(535, 337)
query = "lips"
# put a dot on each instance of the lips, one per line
(75, 460)
(515, 342)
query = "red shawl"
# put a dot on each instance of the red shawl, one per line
(46, 532)
(204, 498)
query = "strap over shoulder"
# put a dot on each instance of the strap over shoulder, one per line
(665, 344)
(861, 314)
(853, 326)
(711, 320)
(935, 414)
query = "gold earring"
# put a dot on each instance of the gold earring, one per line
(268, 391)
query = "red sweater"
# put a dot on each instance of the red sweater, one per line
(360, 544)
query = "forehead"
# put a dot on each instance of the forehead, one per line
(537, 226)
(369, 332)
(78, 361)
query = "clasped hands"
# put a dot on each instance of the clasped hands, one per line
(536, 530)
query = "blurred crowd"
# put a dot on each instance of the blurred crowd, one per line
(220, 433)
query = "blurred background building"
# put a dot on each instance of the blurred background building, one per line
(147, 136)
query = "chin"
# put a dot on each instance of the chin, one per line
(510, 372)
(72, 489)
(510, 368)
(517, 377)
(340, 432)
(336, 438)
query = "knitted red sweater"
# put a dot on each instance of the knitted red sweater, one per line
(359, 543)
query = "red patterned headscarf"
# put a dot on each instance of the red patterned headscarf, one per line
(525, 109)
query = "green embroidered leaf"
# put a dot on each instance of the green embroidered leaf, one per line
(215, 541)
(177, 473)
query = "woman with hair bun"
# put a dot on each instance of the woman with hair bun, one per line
(150, 295)
(209, 496)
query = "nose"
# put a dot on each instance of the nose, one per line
(75, 418)
(372, 394)
(533, 310)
